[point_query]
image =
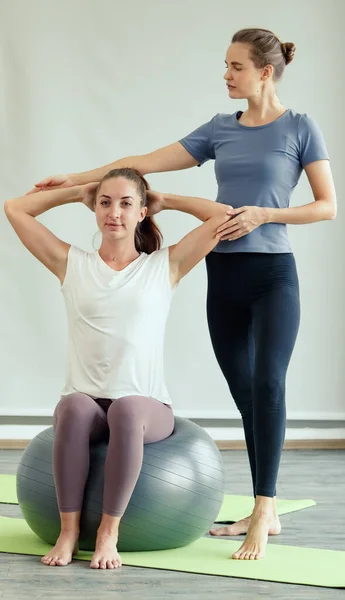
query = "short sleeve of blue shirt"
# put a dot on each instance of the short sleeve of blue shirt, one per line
(199, 143)
(312, 145)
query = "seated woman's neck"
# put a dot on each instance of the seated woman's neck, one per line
(119, 253)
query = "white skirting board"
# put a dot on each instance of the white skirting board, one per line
(191, 414)
(27, 432)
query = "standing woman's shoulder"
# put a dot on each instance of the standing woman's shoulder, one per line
(199, 143)
(312, 145)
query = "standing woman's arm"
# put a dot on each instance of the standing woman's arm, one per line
(324, 206)
(170, 158)
(192, 150)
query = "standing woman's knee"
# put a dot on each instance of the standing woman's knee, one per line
(269, 392)
(241, 392)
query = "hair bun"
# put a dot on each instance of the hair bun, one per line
(288, 50)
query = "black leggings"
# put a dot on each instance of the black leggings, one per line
(253, 315)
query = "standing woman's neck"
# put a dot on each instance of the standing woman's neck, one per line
(263, 108)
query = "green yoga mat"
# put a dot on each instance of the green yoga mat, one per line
(286, 564)
(232, 509)
(8, 493)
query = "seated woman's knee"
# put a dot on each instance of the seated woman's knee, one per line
(124, 411)
(71, 406)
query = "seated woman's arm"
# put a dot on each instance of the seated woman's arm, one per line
(201, 208)
(195, 246)
(38, 239)
(198, 207)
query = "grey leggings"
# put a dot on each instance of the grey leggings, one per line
(129, 423)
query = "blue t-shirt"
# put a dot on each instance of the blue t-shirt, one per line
(257, 166)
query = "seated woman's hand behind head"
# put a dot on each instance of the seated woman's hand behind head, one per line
(89, 195)
(155, 203)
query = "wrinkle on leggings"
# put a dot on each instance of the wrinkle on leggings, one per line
(128, 423)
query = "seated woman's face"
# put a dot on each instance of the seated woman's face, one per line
(118, 208)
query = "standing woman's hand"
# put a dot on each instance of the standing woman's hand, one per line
(51, 183)
(243, 221)
(155, 203)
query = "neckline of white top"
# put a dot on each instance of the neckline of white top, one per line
(141, 255)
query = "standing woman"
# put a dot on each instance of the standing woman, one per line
(253, 297)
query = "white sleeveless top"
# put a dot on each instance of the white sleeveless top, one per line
(116, 325)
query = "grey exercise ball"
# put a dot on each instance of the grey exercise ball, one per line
(175, 501)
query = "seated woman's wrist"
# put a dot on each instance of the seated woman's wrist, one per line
(77, 192)
(167, 202)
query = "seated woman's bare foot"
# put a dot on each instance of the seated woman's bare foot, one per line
(106, 555)
(254, 545)
(65, 547)
(242, 526)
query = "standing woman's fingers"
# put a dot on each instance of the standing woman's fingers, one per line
(234, 234)
(232, 222)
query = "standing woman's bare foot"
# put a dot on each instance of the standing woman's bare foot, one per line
(242, 526)
(254, 545)
(262, 520)
(65, 547)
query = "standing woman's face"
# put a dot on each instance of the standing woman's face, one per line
(242, 78)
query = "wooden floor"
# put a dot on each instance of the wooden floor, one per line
(318, 474)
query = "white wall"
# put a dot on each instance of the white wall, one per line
(87, 82)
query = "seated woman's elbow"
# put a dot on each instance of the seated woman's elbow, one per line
(8, 206)
(333, 211)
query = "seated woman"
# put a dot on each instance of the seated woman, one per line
(117, 302)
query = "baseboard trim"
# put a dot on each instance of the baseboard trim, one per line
(327, 444)
(13, 444)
